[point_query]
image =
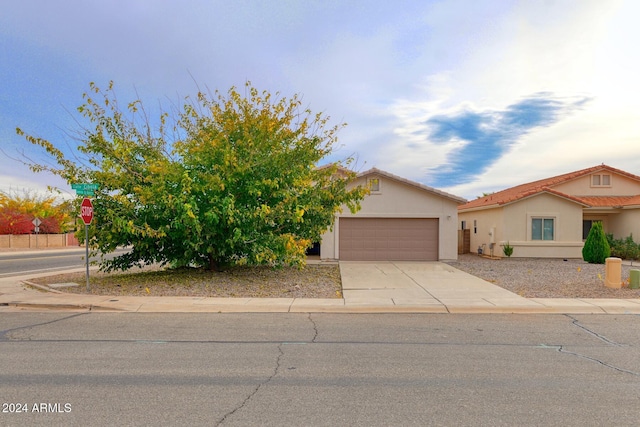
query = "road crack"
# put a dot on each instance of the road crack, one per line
(602, 338)
(576, 322)
(5, 338)
(256, 389)
(593, 359)
(315, 329)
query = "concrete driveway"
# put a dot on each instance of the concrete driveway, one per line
(424, 284)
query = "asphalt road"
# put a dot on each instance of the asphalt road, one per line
(318, 369)
(18, 263)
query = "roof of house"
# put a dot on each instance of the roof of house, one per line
(380, 172)
(522, 191)
(376, 171)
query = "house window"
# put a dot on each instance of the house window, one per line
(601, 180)
(374, 185)
(463, 225)
(542, 228)
(475, 226)
(586, 227)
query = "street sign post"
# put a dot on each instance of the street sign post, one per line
(85, 189)
(86, 213)
(36, 222)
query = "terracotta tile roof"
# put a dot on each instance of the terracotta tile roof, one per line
(546, 185)
(611, 201)
(635, 200)
(604, 201)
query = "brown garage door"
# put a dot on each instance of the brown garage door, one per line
(388, 239)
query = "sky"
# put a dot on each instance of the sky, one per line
(466, 96)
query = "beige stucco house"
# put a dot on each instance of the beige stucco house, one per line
(399, 220)
(552, 217)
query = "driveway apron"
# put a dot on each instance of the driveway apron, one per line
(426, 284)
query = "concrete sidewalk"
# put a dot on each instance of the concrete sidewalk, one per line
(368, 287)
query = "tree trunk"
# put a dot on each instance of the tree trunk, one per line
(213, 264)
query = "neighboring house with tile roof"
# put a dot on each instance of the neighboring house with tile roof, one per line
(551, 218)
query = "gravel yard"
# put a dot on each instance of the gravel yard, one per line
(546, 278)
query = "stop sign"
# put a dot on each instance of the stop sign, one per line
(86, 210)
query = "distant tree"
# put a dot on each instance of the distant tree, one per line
(50, 225)
(596, 248)
(233, 179)
(14, 222)
(18, 210)
(485, 195)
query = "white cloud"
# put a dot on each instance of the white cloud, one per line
(555, 47)
(21, 180)
(383, 67)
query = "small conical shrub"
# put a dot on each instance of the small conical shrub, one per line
(596, 249)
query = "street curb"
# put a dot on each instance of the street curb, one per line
(43, 288)
(359, 309)
(61, 307)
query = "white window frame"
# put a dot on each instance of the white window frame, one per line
(542, 218)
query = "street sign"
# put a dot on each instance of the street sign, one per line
(37, 222)
(86, 210)
(85, 189)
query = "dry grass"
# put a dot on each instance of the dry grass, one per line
(314, 281)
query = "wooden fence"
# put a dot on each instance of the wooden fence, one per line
(464, 241)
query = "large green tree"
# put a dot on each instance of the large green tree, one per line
(226, 179)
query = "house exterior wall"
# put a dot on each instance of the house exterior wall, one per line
(608, 219)
(567, 217)
(620, 186)
(481, 223)
(512, 224)
(400, 200)
(626, 222)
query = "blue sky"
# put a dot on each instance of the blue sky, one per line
(466, 96)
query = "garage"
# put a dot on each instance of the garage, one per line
(388, 239)
(398, 220)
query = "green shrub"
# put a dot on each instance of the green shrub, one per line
(596, 249)
(507, 249)
(624, 248)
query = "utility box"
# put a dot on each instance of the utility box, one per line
(634, 279)
(613, 273)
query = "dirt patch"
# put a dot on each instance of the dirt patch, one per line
(314, 281)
